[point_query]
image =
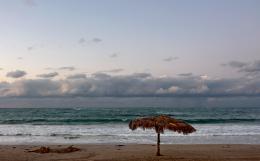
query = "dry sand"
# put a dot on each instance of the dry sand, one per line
(133, 152)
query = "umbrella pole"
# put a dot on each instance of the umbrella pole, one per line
(158, 145)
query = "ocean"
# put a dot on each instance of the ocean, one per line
(95, 125)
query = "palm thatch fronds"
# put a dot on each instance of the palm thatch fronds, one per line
(160, 124)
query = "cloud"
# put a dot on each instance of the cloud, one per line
(77, 76)
(48, 75)
(49, 68)
(19, 58)
(103, 76)
(30, 48)
(253, 67)
(16, 74)
(30, 2)
(133, 85)
(114, 55)
(169, 59)
(30, 88)
(249, 68)
(204, 77)
(185, 74)
(141, 75)
(236, 64)
(117, 70)
(81, 40)
(96, 40)
(69, 68)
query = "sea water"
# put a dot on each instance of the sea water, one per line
(218, 125)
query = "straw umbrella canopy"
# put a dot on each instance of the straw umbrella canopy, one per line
(160, 124)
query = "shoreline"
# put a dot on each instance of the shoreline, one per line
(135, 152)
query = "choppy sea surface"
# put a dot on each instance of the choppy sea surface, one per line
(218, 125)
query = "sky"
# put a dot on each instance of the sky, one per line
(129, 48)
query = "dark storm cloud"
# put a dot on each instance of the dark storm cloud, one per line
(16, 74)
(48, 75)
(133, 85)
(169, 59)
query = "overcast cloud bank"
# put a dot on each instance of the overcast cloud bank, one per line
(134, 85)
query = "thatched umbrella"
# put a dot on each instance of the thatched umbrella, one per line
(160, 123)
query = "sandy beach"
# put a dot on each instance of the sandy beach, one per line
(133, 152)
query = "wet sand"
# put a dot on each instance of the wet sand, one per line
(134, 152)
